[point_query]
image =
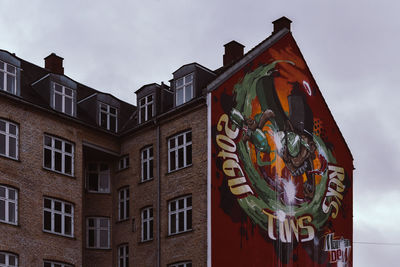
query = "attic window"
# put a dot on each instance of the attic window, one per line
(63, 99)
(8, 77)
(184, 89)
(108, 117)
(146, 108)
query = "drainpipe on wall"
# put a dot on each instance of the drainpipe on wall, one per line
(158, 197)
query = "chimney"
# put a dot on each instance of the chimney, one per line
(54, 63)
(281, 23)
(233, 52)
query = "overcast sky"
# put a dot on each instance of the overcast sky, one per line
(351, 47)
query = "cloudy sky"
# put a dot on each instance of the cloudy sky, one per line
(351, 47)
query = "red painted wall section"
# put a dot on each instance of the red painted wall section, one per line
(281, 172)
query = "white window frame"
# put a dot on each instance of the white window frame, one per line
(8, 136)
(100, 175)
(97, 228)
(123, 163)
(123, 204)
(6, 73)
(53, 263)
(7, 202)
(124, 256)
(175, 151)
(185, 81)
(147, 216)
(181, 264)
(147, 163)
(64, 97)
(7, 256)
(63, 214)
(175, 211)
(145, 107)
(64, 154)
(108, 114)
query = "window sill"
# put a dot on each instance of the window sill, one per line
(171, 172)
(122, 221)
(6, 157)
(100, 249)
(11, 224)
(145, 181)
(60, 173)
(97, 193)
(60, 235)
(180, 233)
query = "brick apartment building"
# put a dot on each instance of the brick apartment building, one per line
(89, 180)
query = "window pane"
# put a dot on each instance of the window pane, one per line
(103, 222)
(181, 221)
(10, 83)
(91, 238)
(113, 111)
(173, 206)
(188, 78)
(68, 106)
(104, 180)
(173, 223)
(68, 224)
(11, 212)
(2, 125)
(181, 203)
(93, 182)
(189, 220)
(91, 222)
(47, 264)
(11, 260)
(12, 129)
(57, 144)
(2, 144)
(179, 82)
(149, 112)
(68, 165)
(2, 210)
(1, 65)
(172, 165)
(189, 202)
(12, 152)
(1, 81)
(189, 155)
(47, 203)
(151, 169)
(145, 170)
(47, 141)
(113, 124)
(180, 140)
(151, 229)
(103, 120)
(68, 91)
(142, 114)
(58, 102)
(2, 258)
(180, 158)
(2, 192)
(57, 223)
(58, 88)
(103, 238)
(57, 162)
(47, 220)
(179, 96)
(47, 158)
(68, 209)
(188, 93)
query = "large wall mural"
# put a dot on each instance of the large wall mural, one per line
(281, 171)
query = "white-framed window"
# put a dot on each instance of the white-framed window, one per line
(147, 162)
(8, 259)
(123, 162)
(47, 263)
(184, 89)
(58, 217)
(58, 155)
(147, 224)
(123, 203)
(98, 232)
(8, 205)
(181, 264)
(98, 177)
(146, 108)
(8, 77)
(180, 151)
(8, 139)
(123, 255)
(108, 117)
(180, 215)
(63, 99)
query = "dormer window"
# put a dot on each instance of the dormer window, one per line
(146, 108)
(108, 117)
(63, 99)
(184, 89)
(8, 77)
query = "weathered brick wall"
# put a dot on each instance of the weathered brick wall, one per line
(33, 182)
